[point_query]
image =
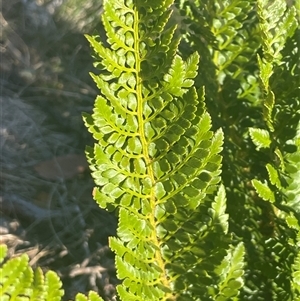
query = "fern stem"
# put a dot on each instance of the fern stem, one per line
(141, 122)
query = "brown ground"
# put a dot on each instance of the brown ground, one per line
(45, 187)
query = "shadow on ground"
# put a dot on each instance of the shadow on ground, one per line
(46, 205)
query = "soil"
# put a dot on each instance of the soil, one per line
(47, 209)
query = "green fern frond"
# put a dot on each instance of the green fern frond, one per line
(156, 158)
(232, 270)
(219, 208)
(16, 278)
(226, 32)
(292, 190)
(234, 27)
(281, 172)
(3, 252)
(293, 223)
(278, 30)
(266, 71)
(261, 74)
(296, 276)
(19, 282)
(92, 296)
(277, 24)
(227, 25)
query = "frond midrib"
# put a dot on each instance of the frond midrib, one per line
(145, 152)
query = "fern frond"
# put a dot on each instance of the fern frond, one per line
(225, 31)
(277, 24)
(219, 208)
(292, 191)
(16, 278)
(156, 158)
(296, 276)
(232, 270)
(293, 223)
(278, 29)
(3, 252)
(92, 296)
(19, 282)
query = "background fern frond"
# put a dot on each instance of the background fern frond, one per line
(19, 282)
(232, 270)
(248, 97)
